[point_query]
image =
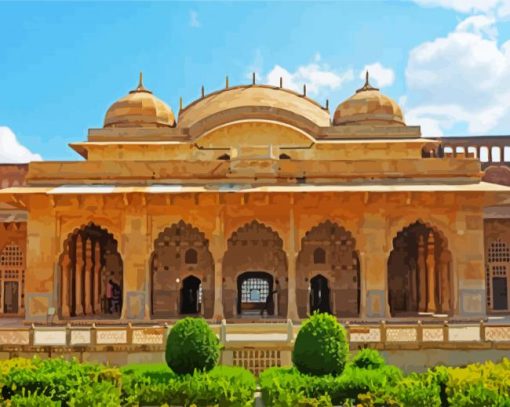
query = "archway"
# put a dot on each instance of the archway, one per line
(319, 295)
(253, 291)
(419, 275)
(181, 250)
(91, 274)
(254, 246)
(329, 250)
(191, 300)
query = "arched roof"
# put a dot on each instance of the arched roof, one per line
(253, 102)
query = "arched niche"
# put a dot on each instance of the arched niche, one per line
(91, 274)
(419, 272)
(179, 251)
(329, 250)
(254, 247)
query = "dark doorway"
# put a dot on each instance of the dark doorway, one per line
(190, 295)
(500, 293)
(253, 289)
(319, 295)
(10, 297)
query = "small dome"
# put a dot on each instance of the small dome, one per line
(368, 106)
(139, 109)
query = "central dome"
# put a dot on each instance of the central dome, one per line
(368, 106)
(140, 108)
(254, 102)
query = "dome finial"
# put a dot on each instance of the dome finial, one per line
(367, 85)
(140, 87)
(140, 82)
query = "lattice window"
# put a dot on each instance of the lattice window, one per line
(499, 271)
(11, 255)
(254, 290)
(257, 360)
(498, 261)
(498, 252)
(12, 270)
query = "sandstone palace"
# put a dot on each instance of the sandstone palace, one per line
(256, 202)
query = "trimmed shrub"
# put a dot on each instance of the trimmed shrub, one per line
(321, 346)
(223, 386)
(368, 359)
(192, 345)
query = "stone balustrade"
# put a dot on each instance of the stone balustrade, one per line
(490, 150)
(255, 346)
(382, 335)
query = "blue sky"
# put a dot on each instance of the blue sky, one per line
(62, 64)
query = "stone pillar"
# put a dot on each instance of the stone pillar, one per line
(65, 270)
(135, 259)
(422, 275)
(218, 248)
(375, 240)
(78, 307)
(362, 286)
(292, 312)
(431, 273)
(88, 274)
(444, 271)
(97, 278)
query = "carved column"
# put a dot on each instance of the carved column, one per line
(431, 273)
(444, 270)
(362, 285)
(66, 269)
(97, 278)
(78, 307)
(422, 275)
(292, 312)
(88, 273)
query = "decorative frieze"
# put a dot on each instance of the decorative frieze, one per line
(464, 333)
(111, 337)
(401, 335)
(47, 337)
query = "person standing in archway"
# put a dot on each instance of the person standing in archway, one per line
(269, 304)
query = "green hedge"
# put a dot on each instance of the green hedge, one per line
(287, 386)
(57, 382)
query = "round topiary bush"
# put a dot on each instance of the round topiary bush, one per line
(368, 359)
(321, 346)
(191, 345)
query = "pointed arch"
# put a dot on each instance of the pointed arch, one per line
(91, 274)
(419, 271)
(341, 269)
(254, 247)
(181, 250)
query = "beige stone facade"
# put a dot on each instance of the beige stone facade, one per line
(254, 202)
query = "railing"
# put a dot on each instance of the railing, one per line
(490, 150)
(255, 346)
(239, 335)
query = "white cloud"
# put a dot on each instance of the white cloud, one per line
(11, 151)
(319, 78)
(479, 25)
(194, 22)
(462, 79)
(379, 75)
(499, 8)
